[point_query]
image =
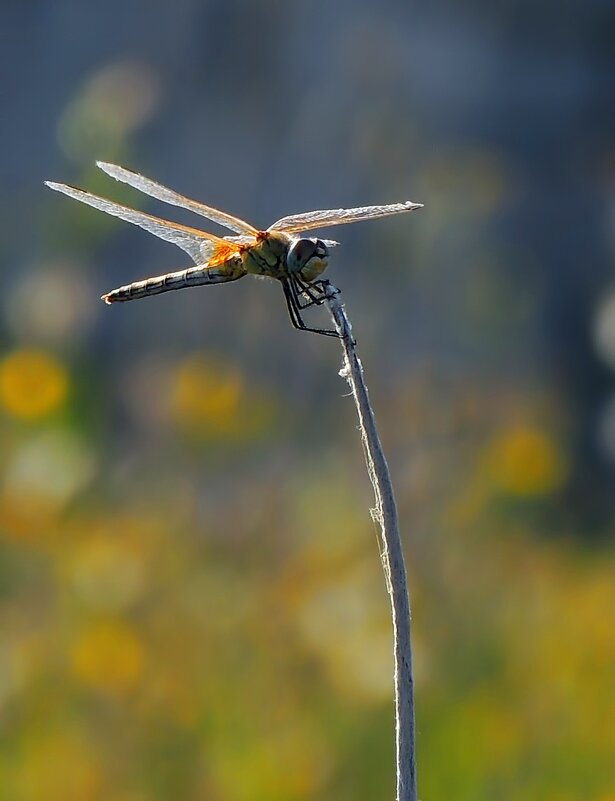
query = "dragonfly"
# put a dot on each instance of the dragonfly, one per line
(280, 252)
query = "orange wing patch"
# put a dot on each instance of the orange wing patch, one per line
(223, 252)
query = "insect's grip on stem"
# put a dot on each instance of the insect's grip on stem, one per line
(293, 288)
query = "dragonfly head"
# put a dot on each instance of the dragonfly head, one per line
(308, 258)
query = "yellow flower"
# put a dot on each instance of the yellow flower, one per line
(108, 656)
(209, 399)
(525, 461)
(207, 396)
(32, 384)
(58, 765)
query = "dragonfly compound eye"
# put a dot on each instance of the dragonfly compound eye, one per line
(322, 251)
(308, 257)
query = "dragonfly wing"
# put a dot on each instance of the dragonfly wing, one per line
(321, 219)
(199, 245)
(242, 239)
(160, 192)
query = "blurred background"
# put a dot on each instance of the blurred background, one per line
(191, 601)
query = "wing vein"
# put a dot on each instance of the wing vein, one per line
(309, 220)
(156, 190)
(199, 245)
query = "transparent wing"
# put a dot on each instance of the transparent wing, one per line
(321, 219)
(242, 239)
(199, 245)
(160, 192)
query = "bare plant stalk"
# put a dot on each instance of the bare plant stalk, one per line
(385, 513)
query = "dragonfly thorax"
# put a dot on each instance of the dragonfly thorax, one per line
(307, 258)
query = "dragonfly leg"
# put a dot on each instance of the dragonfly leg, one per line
(316, 291)
(305, 293)
(294, 312)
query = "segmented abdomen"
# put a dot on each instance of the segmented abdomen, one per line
(193, 276)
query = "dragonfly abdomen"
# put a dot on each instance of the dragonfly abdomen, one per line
(193, 276)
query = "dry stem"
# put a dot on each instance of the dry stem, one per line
(385, 513)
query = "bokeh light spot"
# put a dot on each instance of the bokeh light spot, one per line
(604, 329)
(112, 102)
(52, 303)
(108, 656)
(32, 384)
(207, 394)
(209, 400)
(57, 767)
(44, 474)
(106, 572)
(526, 461)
